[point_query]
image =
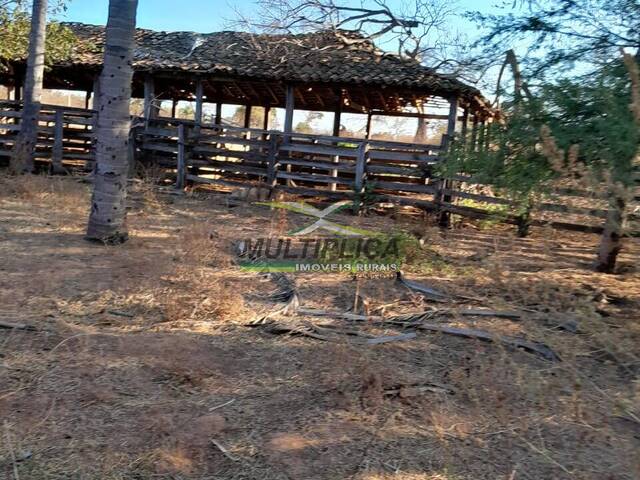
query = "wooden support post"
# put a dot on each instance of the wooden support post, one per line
(199, 101)
(444, 218)
(247, 116)
(174, 105)
(149, 94)
(219, 113)
(465, 121)
(360, 175)
(17, 89)
(265, 120)
(182, 165)
(474, 133)
(487, 134)
(288, 114)
(336, 133)
(481, 137)
(58, 146)
(87, 97)
(288, 121)
(367, 131)
(95, 97)
(452, 118)
(272, 165)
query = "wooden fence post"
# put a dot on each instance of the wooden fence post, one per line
(444, 217)
(272, 166)
(182, 166)
(361, 172)
(58, 146)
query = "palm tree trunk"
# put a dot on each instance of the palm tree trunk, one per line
(107, 222)
(24, 148)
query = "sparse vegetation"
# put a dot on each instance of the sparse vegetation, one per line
(153, 361)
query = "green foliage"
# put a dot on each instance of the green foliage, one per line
(366, 199)
(513, 164)
(590, 112)
(593, 112)
(15, 25)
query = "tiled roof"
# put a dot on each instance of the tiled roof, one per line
(315, 57)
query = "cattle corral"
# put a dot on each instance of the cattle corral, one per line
(141, 360)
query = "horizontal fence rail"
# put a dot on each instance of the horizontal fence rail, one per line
(366, 170)
(65, 134)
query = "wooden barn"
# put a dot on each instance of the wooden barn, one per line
(337, 72)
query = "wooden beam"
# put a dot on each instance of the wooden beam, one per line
(288, 114)
(17, 89)
(336, 133)
(247, 116)
(182, 161)
(265, 120)
(337, 116)
(444, 216)
(58, 146)
(149, 94)
(274, 97)
(453, 117)
(199, 101)
(465, 121)
(219, 113)
(96, 94)
(474, 133)
(367, 130)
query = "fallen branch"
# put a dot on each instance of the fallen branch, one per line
(514, 342)
(423, 289)
(317, 332)
(512, 315)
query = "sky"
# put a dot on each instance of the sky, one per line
(198, 15)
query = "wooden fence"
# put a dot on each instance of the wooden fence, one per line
(313, 165)
(65, 134)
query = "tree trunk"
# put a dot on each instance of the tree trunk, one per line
(611, 240)
(24, 148)
(107, 222)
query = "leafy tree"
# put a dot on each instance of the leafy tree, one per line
(15, 26)
(599, 118)
(580, 128)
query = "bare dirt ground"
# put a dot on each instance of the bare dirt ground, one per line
(143, 366)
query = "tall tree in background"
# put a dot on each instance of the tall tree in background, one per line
(107, 221)
(24, 148)
(575, 126)
(15, 27)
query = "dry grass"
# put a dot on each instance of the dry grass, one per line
(143, 369)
